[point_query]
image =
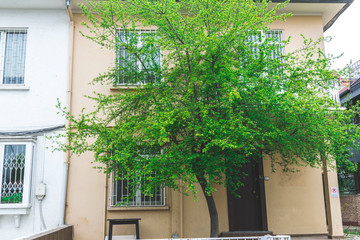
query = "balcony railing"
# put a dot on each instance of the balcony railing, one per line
(355, 70)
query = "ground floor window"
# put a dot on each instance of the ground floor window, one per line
(15, 173)
(128, 193)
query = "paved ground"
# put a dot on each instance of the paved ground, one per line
(347, 236)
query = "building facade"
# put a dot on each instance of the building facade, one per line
(34, 37)
(296, 204)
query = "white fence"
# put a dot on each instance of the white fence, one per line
(266, 237)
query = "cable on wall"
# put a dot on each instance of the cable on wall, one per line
(30, 132)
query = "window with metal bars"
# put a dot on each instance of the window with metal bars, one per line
(128, 193)
(137, 57)
(15, 173)
(273, 37)
(12, 61)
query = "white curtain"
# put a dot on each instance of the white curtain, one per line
(14, 61)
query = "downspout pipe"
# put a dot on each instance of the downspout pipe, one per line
(68, 106)
(68, 10)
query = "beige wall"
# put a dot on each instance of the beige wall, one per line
(86, 186)
(196, 214)
(309, 26)
(333, 208)
(295, 203)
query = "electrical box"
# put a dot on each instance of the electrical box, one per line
(40, 190)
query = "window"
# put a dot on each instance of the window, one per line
(273, 38)
(127, 193)
(15, 173)
(12, 52)
(137, 57)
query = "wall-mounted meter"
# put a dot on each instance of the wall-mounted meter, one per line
(40, 191)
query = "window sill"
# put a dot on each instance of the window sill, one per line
(125, 87)
(16, 87)
(143, 208)
(21, 210)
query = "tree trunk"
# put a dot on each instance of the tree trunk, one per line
(214, 220)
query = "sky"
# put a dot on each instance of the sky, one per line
(346, 36)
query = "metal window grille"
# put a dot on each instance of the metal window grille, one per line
(127, 193)
(12, 52)
(277, 37)
(259, 37)
(12, 182)
(135, 53)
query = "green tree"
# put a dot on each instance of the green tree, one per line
(214, 92)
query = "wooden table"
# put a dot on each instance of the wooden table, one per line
(124, 222)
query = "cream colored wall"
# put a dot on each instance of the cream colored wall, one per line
(295, 203)
(309, 26)
(86, 186)
(333, 208)
(196, 214)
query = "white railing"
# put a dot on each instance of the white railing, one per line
(266, 237)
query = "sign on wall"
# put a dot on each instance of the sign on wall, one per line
(334, 192)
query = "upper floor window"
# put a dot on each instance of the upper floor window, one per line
(15, 173)
(12, 52)
(137, 57)
(272, 38)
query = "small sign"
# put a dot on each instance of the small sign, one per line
(334, 192)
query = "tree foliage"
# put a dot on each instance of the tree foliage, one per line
(214, 89)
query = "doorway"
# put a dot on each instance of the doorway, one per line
(248, 212)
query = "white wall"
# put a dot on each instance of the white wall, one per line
(45, 68)
(46, 71)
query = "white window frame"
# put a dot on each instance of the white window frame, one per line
(29, 153)
(3, 32)
(140, 67)
(263, 37)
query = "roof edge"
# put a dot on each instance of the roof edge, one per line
(332, 21)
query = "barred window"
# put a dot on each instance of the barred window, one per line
(128, 193)
(15, 172)
(12, 51)
(137, 57)
(260, 37)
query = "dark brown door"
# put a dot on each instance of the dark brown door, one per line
(248, 212)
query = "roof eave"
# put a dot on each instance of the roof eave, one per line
(333, 20)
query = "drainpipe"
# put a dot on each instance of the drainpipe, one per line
(181, 210)
(68, 106)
